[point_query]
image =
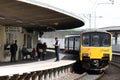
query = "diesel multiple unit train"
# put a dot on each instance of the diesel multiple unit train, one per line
(94, 48)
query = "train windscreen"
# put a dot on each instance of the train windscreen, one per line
(96, 39)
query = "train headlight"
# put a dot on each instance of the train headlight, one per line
(85, 55)
(105, 55)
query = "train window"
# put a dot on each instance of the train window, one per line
(86, 40)
(71, 43)
(95, 40)
(77, 43)
(106, 40)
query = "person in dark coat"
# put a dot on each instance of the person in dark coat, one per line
(44, 50)
(13, 50)
(25, 52)
(33, 54)
(57, 48)
(39, 49)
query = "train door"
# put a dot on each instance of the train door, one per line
(77, 44)
(71, 43)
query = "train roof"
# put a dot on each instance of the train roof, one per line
(84, 31)
(77, 35)
(95, 30)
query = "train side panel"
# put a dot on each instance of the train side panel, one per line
(72, 44)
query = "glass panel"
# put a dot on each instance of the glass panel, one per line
(95, 39)
(106, 40)
(77, 43)
(118, 40)
(86, 40)
(113, 40)
(71, 43)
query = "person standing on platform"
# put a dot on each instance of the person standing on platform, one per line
(33, 53)
(39, 49)
(57, 48)
(13, 50)
(44, 50)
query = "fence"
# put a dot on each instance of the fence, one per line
(116, 58)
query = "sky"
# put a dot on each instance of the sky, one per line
(107, 14)
(96, 13)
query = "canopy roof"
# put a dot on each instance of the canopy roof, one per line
(36, 16)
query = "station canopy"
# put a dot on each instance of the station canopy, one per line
(34, 15)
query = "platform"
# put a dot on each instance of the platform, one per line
(32, 66)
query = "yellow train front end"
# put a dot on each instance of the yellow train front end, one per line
(95, 50)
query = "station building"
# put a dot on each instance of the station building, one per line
(25, 21)
(10, 34)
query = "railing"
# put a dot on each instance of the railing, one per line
(38, 74)
(116, 58)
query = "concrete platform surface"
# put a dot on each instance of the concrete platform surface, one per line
(35, 65)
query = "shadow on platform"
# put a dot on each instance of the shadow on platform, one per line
(70, 57)
(48, 56)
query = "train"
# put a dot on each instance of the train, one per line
(93, 47)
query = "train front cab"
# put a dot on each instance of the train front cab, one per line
(95, 50)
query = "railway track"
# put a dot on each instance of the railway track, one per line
(87, 76)
(112, 73)
(84, 76)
